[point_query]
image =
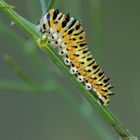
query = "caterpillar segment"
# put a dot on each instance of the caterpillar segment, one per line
(67, 35)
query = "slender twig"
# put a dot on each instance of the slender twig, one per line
(103, 111)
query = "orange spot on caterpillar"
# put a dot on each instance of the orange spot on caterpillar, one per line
(96, 87)
(67, 41)
(84, 73)
(69, 48)
(65, 34)
(51, 15)
(51, 22)
(59, 26)
(72, 56)
(90, 80)
(51, 12)
(101, 92)
(77, 64)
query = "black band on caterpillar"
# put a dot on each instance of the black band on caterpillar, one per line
(67, 35)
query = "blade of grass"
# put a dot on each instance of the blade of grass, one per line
(103, 111)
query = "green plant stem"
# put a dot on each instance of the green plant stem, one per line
(5, 7)
(25, 24)
(104, 112)
(50, 5)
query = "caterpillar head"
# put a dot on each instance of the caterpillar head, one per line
(44, 24)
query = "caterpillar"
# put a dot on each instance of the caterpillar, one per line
(66, 34)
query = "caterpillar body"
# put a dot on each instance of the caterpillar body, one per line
(67, 35)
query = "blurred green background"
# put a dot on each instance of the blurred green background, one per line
(113, 34)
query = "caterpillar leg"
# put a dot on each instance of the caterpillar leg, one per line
(42, 42)
(88, 86)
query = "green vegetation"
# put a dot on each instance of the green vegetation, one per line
(28, 84)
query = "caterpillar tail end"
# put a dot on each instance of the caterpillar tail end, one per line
(102, 102)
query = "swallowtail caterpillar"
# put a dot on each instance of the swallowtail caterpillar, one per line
(67, 35)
